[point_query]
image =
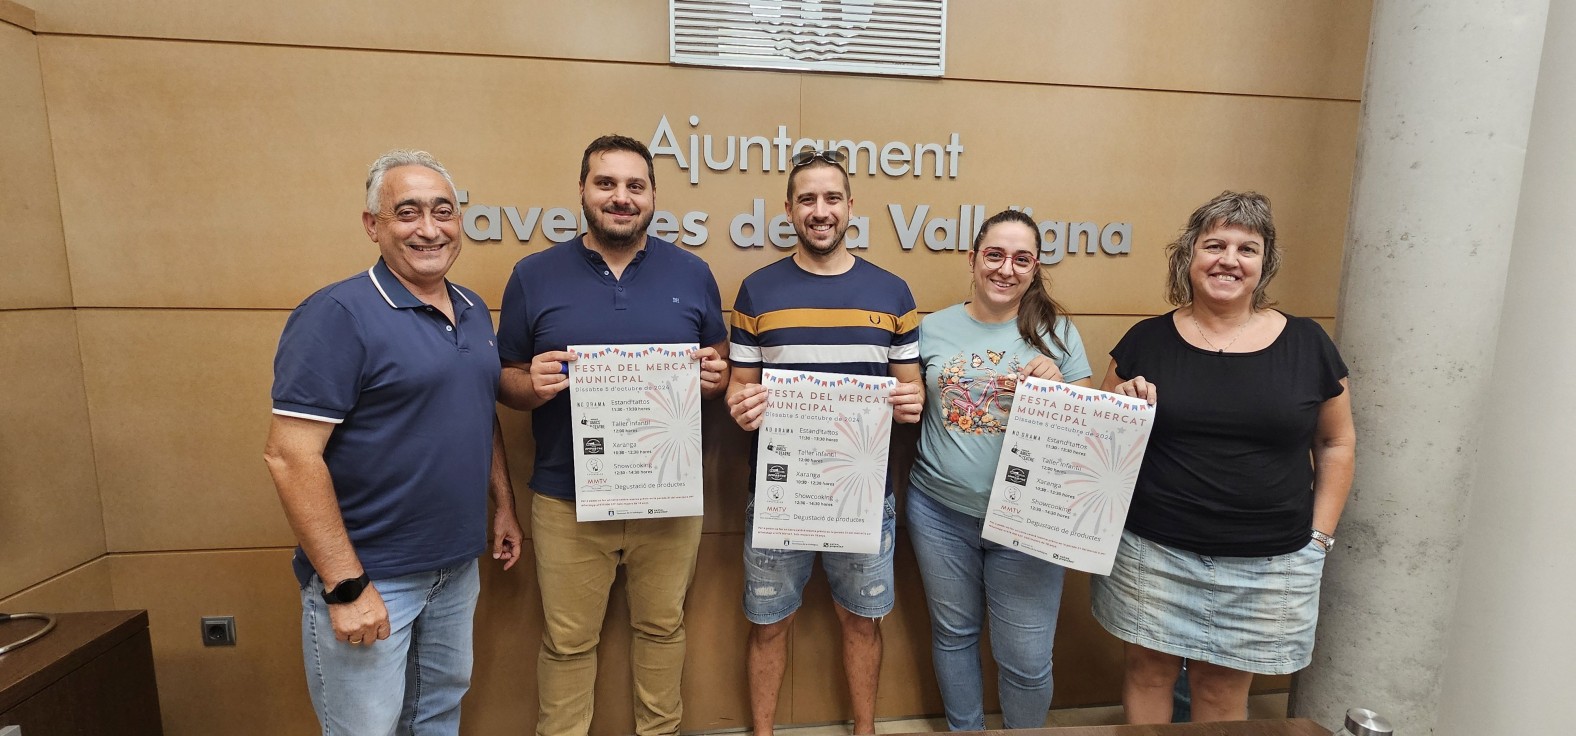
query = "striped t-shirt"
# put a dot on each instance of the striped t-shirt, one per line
(856, 322)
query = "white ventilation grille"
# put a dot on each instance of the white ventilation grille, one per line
(862, 36)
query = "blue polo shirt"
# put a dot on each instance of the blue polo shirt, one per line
(412, 397)
(566, 295)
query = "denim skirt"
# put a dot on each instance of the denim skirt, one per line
(1254, 614)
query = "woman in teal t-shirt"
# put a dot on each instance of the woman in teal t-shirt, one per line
(973, 355)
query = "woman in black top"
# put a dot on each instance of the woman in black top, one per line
(1243, 481)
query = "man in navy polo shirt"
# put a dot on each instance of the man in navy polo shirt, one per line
(613, 285)
(384, 448)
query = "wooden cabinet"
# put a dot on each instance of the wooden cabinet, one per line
(92, 675)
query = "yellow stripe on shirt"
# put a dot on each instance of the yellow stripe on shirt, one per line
(789, 318)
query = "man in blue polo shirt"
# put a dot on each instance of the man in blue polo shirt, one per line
(821, 309)
(384, 448)
(613, 285)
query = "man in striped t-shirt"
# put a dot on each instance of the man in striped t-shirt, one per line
(821, 309)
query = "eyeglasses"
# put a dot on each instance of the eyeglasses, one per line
(1022, 262)
(831, 156)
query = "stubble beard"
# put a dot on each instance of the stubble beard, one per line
(615, 239)
(820, 252)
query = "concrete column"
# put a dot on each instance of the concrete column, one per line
(1512, 654)
(1446, 110)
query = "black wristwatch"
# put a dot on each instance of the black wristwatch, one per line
(347, 590)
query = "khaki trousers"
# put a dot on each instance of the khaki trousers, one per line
(575, 566)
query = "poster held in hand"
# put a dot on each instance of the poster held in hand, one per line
(821, 464)
(635, 423)
(1068, 465)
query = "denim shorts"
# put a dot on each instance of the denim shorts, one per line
(774, 579)
(1254, 614)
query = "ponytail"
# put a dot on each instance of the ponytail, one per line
(1037, 315)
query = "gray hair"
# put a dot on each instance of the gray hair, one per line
(1247, 210)
(395, 159)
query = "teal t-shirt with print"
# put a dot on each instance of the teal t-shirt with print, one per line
(971, 372)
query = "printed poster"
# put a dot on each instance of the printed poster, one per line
(1068, 465)
(635, 421)
(821, 464)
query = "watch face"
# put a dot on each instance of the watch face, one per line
(346, 591)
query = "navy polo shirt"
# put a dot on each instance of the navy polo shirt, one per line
(412, 397)
(566, 295)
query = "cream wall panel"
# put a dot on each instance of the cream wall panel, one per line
(1100, 333)
(85, 588)
(50, 519)
(255, 687)
(1273, 47)
(34, 249)
(18, 15)
(180, 409)
(613, 30)
(1237, 46)
(274, 144)
(1104, 155)
(1138, 156)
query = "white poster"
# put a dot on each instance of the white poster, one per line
(635, 418)
(1066, 473)
(821, 467)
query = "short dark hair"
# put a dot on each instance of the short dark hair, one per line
(848, 189)
(617, 142)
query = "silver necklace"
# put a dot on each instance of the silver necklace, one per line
(1222, 350)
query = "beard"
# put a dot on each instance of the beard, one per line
(614, 236)
(829, 248)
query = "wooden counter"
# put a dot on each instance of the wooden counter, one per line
(92, 675)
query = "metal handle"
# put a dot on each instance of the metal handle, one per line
(49, 625)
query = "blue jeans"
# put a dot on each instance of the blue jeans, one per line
(410, 683)
(966, 579)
